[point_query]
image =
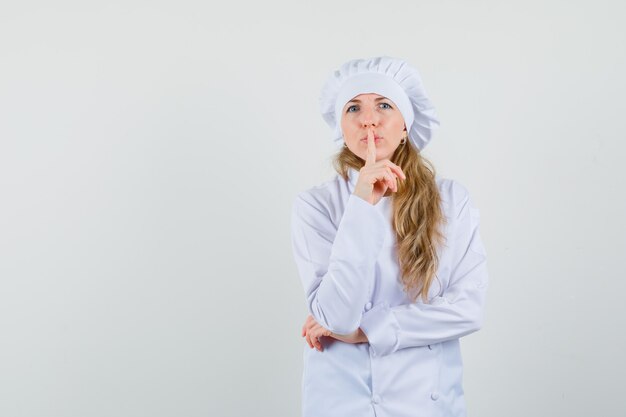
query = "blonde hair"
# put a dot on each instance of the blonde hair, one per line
(417, 217)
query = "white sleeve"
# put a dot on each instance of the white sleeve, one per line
(459, 309)
(336, 264)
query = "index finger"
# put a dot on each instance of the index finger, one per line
(371, 148)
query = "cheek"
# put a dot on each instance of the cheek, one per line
(399, 124)
(349, 129)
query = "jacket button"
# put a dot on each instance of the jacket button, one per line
(368, 306)
(434, 396)
(375, 399)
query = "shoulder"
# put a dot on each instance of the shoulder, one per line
(454, 195)
(322, 194)
(322, 199)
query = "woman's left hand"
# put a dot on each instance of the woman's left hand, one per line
(312, 331)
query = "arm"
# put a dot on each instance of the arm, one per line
(336, 264)
(457, 312)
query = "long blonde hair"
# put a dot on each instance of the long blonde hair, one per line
(417, 219)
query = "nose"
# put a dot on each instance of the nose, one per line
(369, 117)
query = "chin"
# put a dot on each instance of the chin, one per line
(378, 156)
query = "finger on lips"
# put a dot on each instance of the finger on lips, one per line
(395, 172)
(371, 148)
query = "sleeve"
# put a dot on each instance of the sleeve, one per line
(336, 264)
(459, 309)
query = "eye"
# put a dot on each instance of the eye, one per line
(348, 109)
(386, 104)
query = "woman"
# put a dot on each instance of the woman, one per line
(389, 254)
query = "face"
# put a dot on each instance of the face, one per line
(372, 110)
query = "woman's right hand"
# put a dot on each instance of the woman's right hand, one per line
(376, 177)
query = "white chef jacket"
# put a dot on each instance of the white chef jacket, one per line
(345, 256)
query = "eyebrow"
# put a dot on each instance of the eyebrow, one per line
(358, 101)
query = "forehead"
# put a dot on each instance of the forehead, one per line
(368, 96)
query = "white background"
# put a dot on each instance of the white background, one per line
(150, 152)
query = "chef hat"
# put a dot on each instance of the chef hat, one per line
(390, 77)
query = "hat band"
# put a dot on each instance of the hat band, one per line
(373, 82)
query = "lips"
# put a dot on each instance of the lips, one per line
(375, 138)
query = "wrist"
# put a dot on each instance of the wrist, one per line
(362, 336)
(361, 195)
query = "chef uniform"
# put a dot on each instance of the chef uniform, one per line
(344, 249)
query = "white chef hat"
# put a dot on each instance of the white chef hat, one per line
(390, 77)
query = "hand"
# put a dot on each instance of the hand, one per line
(376, 176)
(312, 331)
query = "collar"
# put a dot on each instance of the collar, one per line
(353, 175)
